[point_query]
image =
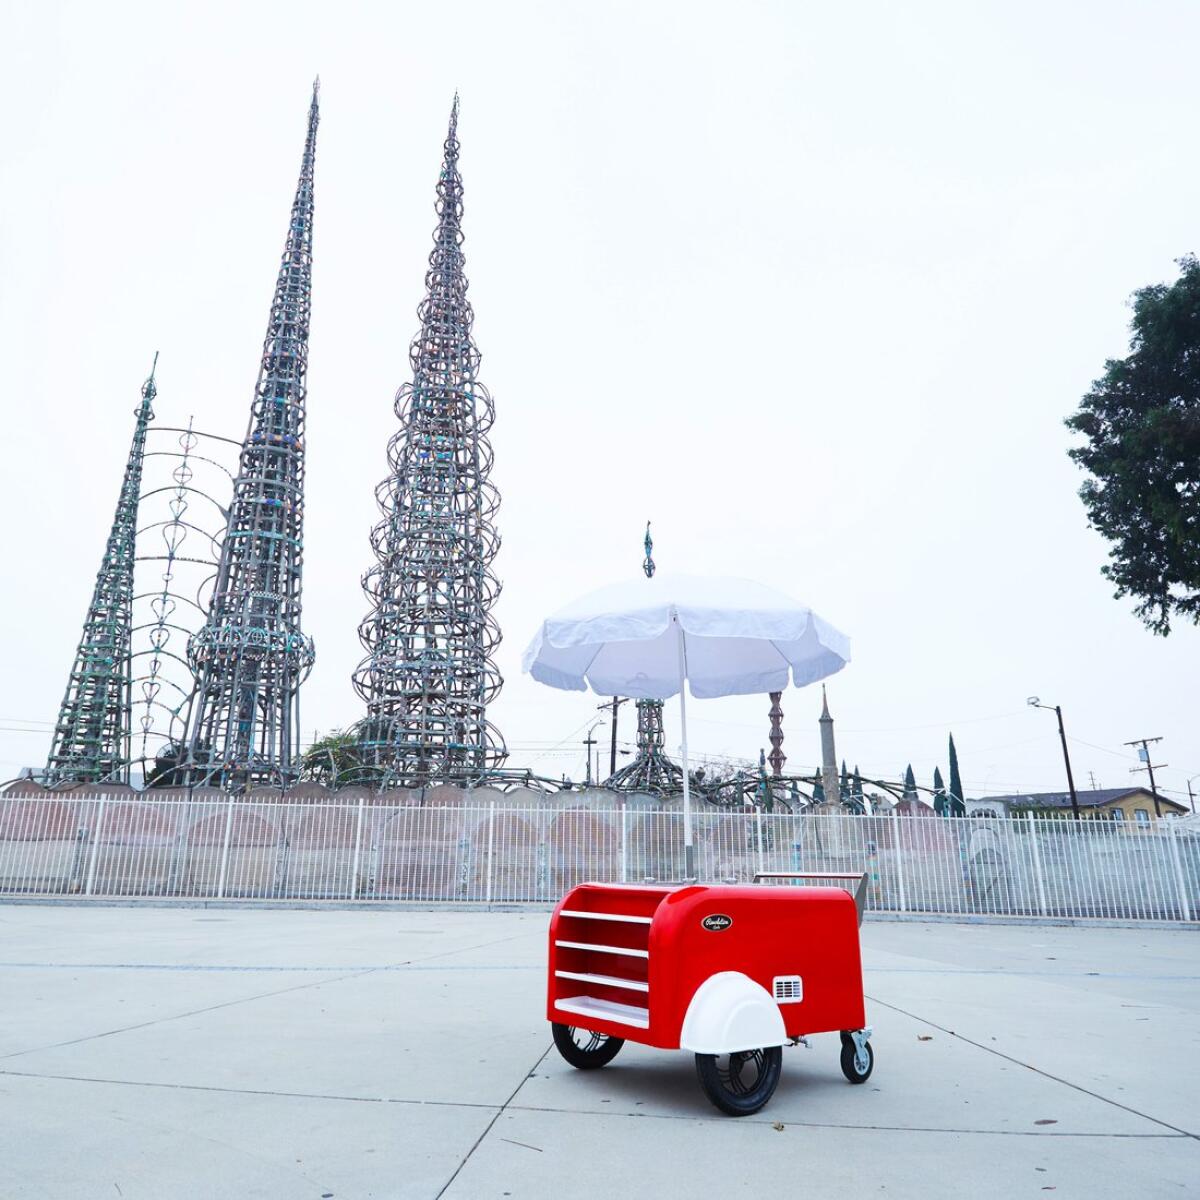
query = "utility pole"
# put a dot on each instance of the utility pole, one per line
(616, 701)
(1191, 794)
(588, 743)
(1144, 755)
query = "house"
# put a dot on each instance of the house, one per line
(1101, 804)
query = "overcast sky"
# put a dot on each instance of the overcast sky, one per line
(811, 286)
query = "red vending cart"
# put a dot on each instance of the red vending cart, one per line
(730, 973)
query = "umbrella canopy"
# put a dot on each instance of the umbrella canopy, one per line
(727, 637)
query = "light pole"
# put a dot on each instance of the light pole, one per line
(1191, 794)
(1034, 702)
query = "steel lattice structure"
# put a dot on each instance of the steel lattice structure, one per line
(251, 657)
(651, 770)
(428, 675)
(91, 736)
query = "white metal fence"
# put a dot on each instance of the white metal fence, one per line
(494, 854)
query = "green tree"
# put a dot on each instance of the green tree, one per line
(331, 759)
(939, 792)
(1141, 422)
(910, 784)
(956, 787)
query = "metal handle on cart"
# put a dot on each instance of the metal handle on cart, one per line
(859, 893)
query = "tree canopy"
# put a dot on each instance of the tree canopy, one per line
(332, 758)
(1141, 422)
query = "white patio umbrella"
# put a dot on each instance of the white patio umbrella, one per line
(726, 637)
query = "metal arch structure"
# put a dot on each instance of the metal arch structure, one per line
(428, 675)
(250, 657)
(91, 741)
(179, 549)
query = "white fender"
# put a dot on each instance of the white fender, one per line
(731, 1012)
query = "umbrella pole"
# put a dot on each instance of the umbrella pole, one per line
(689, 849)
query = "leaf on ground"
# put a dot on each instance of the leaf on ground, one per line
(1046, 1121)
(778, 1127)
(924, 1037)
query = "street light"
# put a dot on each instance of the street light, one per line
(1034, 702)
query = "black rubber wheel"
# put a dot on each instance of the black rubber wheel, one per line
(584, 1049)
(850, 1068)
(740, 1084)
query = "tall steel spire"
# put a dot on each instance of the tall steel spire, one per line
(251, 657)
(651, 770)
(428, 676)
(91, 736)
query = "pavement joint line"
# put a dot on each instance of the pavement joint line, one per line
(495, 1117)
(299, 987)
(418, 965)
(571, 1112)
(361, 968)
(1037, 1070)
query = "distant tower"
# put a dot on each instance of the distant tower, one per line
(777, 757)
(251, 657)
(651, 770)
(428, 676)
(92, 734)
(829, 770)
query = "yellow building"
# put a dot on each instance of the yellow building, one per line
(1102, 804)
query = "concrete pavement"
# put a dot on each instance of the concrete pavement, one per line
(152, 1053)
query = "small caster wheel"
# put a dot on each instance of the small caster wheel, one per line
(584, 1049)
(858, 1061)
(741, 1083)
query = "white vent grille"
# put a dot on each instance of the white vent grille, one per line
(788, 989)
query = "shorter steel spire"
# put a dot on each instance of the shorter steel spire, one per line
(92, 735)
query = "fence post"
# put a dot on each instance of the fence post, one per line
(624, 843)
(357, 859)
(1184, 906)
(758, 834)
(1037, 865)
(491, 842)
(225, 849)
(91, 875)
(897, 826)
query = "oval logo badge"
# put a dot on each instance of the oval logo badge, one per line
(717, 922)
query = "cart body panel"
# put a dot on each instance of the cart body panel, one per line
(628, 961)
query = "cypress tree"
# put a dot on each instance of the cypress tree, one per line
(910, 784)
(940, 804)
(956, 787)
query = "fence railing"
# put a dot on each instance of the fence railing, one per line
(494, 854)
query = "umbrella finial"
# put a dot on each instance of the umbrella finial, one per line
(648, 563)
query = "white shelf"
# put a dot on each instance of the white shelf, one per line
(605, 1010)
(625, 950)
(614, 981)
(603, 916)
